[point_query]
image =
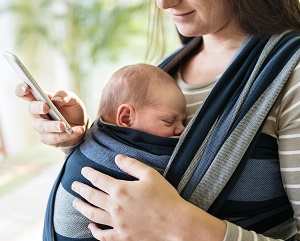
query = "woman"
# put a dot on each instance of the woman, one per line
(237, 159)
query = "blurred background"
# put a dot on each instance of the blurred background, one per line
(65, 44)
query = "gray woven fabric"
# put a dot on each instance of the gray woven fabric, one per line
(205, 191)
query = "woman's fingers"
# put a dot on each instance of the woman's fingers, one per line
(93, 196)
(61, 139)
(38, 109)
(100, 180)
(99, 200)
(96, 232)
(22, 90)
(95, 214)
(71, 107)
(134, 167)
(108, 234)
(65, 98)
(123, 202)
(52, 132)
(46, 126)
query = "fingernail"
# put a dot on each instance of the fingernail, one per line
(119, 157)
(23, 88)
(57, 98)
(83, 171)
(74, 203)
(57, 127)
(41, 108)
(73, 186)
(81, 130)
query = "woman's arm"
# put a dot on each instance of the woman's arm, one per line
(287, 125)
(52, 132)
(148, 209)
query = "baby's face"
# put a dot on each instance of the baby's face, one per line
(165, 116)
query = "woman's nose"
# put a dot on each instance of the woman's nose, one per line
(165, 4)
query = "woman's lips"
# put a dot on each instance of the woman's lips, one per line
(181, 17)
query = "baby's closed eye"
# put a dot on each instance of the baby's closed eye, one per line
(168, 121)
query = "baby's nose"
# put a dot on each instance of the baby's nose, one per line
(179, 129)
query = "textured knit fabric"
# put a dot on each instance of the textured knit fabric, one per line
(102, 143)
(254, 197)
(288, 102)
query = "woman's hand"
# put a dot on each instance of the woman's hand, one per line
(147, 209)
(135, 209)
(53, 132)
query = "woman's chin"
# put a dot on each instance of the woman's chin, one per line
(187, 32)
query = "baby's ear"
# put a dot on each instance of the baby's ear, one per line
(125, 115)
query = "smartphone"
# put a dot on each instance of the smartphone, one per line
(37, 92)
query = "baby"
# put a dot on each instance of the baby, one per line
(141, 115)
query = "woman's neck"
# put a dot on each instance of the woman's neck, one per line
(215, 43)
(212, 59)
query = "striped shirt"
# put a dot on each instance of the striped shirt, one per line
(283, 124)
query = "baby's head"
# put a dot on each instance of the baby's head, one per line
(145, 98)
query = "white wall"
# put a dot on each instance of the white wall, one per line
(51, 73)
(14, 119)
(15, 122)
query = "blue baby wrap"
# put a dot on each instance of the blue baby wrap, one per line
(102, 143)
(220, 151)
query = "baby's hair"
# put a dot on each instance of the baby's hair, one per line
(133, 85)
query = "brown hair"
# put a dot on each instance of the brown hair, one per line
(267, 17)
(131, 84)
(264, 17)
